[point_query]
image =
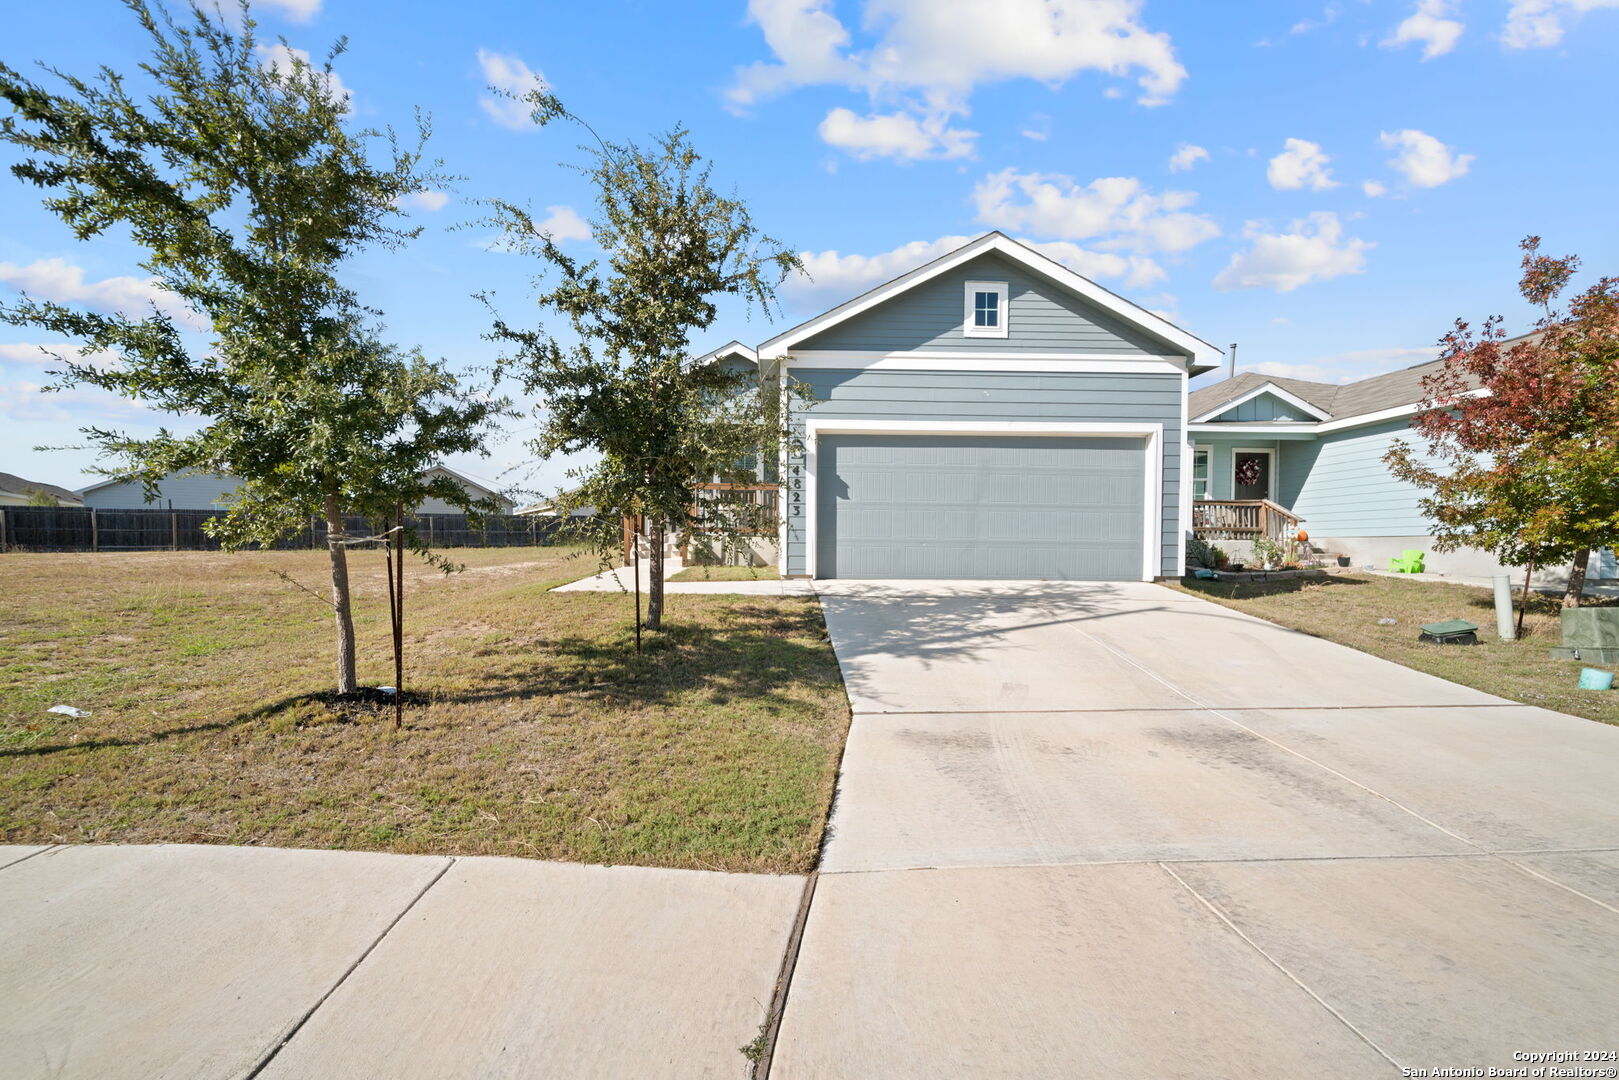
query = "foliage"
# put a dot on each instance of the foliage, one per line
(623, 387)
(1523, 438)
(246, 188)
(1267, 552)
(40, 497)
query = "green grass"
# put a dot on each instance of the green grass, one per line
(1346, 608)
(727, 573)
(542, 732)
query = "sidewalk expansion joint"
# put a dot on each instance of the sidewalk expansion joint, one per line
(784, 980)
(1179, 709)
(1215, 910)
(47, 848)
(270, 1055)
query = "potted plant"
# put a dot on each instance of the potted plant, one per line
(1343, 560)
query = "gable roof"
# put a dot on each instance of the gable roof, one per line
(730, 348)
(1266, 386)
(16, 485)
(1380, 393)
(1202, 353)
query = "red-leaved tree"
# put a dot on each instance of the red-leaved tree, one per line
(1522, 454)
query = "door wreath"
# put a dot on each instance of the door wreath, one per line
(1248, 472)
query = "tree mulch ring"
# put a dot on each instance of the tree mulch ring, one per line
(366, 701)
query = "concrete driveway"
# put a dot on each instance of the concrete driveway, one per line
(1113, 830)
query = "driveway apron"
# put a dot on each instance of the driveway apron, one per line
(1112, 829)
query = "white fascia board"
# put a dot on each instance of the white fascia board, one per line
(728, 349)
(1258, 427)
(1198, 349)
(1264, 388)
(958, 361)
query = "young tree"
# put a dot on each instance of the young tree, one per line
(246, 188)
(623, 387)
(1523, 440)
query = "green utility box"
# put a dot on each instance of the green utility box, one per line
(1592, 632)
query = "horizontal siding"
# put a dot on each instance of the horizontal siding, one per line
(985, 395)
(193, 492)
(1042, 318)
(1342, 487)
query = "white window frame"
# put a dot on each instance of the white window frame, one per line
(1208, 472)
(1001, 291)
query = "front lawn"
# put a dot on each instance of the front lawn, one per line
(727, 573)
(1346, 608)
(542, 733)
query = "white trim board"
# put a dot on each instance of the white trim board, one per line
(1271, 474)
(959, 362)
(1262, 389)
(999, 243)
(1152, 480)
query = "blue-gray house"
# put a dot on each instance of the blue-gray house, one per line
(991, 414)
(1312, 454)
(994, 415)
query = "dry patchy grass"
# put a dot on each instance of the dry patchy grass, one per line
(726, 573)
(542, 733)
(1345, 608)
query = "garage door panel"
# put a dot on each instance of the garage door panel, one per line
(979, 507)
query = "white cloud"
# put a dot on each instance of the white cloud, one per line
(929, 55)
(1423, 160)
(30, 401)
(46, 355)
(297, 10)
(1118, 209)
(426, 200)
(563, 224)
(1185, 156)
(1329, 15)
(507, 73)
(835, 277)
(1535, 24)
(1314, 249)
(1037, 127)
(1429, 25)
(62, 282)
(897, 135)
(1373, 189)
(1300, 164)
(286, 61)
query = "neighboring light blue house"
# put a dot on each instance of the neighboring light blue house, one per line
(1315, 451)
(991, 414)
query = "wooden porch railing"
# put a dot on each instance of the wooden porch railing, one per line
(1242, 519)
(753, 506)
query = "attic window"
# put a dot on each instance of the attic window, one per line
(986, 313)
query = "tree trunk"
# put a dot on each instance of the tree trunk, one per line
(346, 683)
(654, 591)
(1576, 580)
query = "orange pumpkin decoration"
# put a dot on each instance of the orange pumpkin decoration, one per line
(1303, 535)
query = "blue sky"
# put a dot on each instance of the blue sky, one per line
(1329, 184)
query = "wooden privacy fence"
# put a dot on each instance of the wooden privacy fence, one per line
(61, 528)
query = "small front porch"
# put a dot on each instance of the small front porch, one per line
(1243, 519)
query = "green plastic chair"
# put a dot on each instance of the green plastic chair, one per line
(1409, 561)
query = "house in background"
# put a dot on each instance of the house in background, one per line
(15, 491)
(1270, 454)
(991, 414)
(211, 491)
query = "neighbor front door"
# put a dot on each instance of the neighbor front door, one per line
(1255, 466)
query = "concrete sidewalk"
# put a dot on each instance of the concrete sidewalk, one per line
(216, 962)
(1114, 830)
